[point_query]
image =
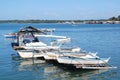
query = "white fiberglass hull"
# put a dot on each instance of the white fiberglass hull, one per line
(77, 49)
(67, 60)
(29, 54)
(54, 55)
(47, 57)
(40, 47)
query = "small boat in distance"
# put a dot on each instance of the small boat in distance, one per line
(10, 35)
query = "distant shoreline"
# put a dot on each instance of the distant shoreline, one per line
(63, 21)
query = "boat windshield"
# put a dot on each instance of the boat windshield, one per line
(26, 41)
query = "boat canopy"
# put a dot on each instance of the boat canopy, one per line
(32, 29)
(28, 29)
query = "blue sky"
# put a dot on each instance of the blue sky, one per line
(58, 9)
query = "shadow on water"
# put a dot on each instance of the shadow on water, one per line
(53, 71)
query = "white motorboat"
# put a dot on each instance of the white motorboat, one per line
(82, 61)
(26, 36)
(27, 40)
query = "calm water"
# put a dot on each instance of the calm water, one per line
(101, 38)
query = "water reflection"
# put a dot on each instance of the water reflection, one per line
(29, 64)
(26, 64)
(10, 39)
(64, 74)
(43, 70)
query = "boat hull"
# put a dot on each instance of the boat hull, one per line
(29, 54)
(67, 60)
(55, 55)
(10, 36)
(52, 55)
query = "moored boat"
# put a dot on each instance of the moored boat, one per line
(10, 35)
(82, 61)
(28, 45)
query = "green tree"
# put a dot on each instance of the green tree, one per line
(119, 17)
(113, 18)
